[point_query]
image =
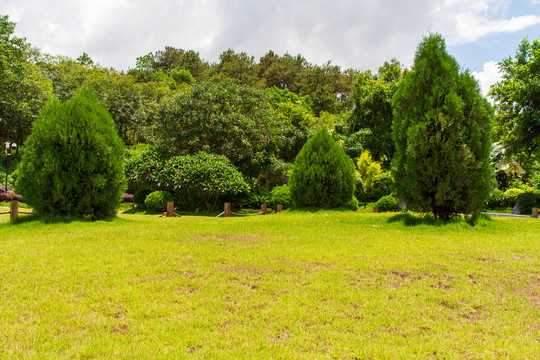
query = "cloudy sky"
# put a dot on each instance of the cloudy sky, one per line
(351, 33)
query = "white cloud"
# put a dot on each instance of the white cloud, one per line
(488, 76)
(465, 21)
(352, 33)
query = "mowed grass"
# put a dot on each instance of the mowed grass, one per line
(298, 285)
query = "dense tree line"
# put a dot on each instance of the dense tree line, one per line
(259, 113)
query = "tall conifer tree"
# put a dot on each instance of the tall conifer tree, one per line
(442, 130)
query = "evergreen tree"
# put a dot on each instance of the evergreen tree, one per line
(323, 175)
(441, 129)
(73, 160)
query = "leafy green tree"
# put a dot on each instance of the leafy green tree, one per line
(238, 67)
(285, 72)
(372, 98)
(85, 60)
(73, 160)
(23, 89)
(222, 118)
(441, 128)
(517, 100)
(132, 104)
(323, 175)
(172, 58)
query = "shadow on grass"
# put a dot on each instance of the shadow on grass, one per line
(52, 219)
(409, 219)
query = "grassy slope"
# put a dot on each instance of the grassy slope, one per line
(295, 285)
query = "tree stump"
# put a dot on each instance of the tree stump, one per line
(535, 213)
(227, 212)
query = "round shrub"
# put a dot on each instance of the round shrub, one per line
(387, 203)
(512, 195)
(323, 175)
(528, 200)
(281, 195)
(73, 160)
(157, 201)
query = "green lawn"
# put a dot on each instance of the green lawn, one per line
(298, 285)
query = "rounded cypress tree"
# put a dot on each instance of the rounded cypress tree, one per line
(323, 175)
(441, 128)
(73, 160)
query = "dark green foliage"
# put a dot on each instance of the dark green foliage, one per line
(528, 200)
(387, 203)
(323, 175)
(496, 199)
(441, 129)
(143, 165)
(383, 184)
(281, 195)
(191, 178)
(222, 118)
(73, 160)
(157, 201)
(352, 204)
(140, 196)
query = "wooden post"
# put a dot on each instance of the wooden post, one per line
(227, 209)
(535, 213)
(375, 209)
(279, 208)
(13, 209)
(263, 209)
(170, 209)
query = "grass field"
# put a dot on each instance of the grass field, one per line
(298, 285)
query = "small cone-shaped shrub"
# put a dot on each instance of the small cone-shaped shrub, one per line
(73, 160)
(323, 175)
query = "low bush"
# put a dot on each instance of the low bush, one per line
(157, 201)
(496, 199)
(528, 200)
(281, 195)
(387, 203)
(511, 196)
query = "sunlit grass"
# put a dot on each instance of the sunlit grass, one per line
(325, 284)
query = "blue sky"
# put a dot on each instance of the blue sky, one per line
(352, 33)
